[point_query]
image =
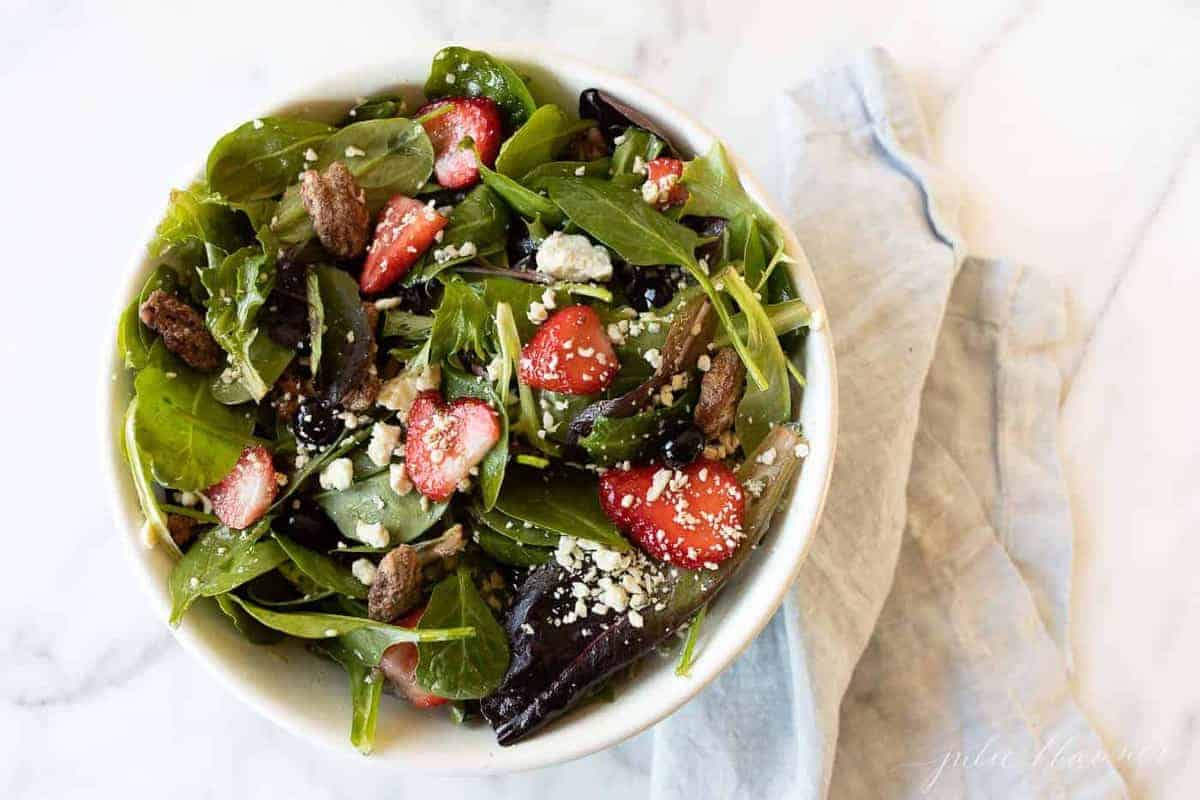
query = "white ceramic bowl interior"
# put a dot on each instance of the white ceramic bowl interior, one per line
(308, 696)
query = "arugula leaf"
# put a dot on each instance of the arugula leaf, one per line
(155, 526)
(637, 143)
(187, 439)
(524, 201)
(622, 220)
(759, 408)
(457, 71)
(372, 500)
(566, 501)
(491, 470)
(258, 159)
(317, 625)
(539, 140)
(366, 689)
(316, 319)
(254, 631)
(715, 191)
(238, 288)
(321, 569)
(195, 217)
(528, 422)
(461, 323)
(221, 560)
(536, 178)
(464, 669)
(510, 551)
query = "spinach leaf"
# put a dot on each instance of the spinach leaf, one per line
(194, 218)
(536, 178)
(482, 219)
(316, 319)
(316, 625)
(615, 439)
(518, 294)
(759, 408)
(133, 338)
(372, 500)
(386, 156)
(321, 569)
(526, 202)
(188, 439)
(254, 631)
(491, 470)
(510, 551)
(514, 529)
(463, 669)
(688, 657)
(221, 560)
(366, 689)
(637, 143)
(346, 342)
(259, 159)
(378, 107)
(155, 526)
(715, 191)
(406, 325)
(540, 139)
(566, 501)
(461, 323)
(457, 71)
(269, 358)
(238, 287)
(621, 219)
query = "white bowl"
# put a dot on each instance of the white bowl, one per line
(308, 696)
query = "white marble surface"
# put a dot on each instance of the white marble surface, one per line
(1073, 127)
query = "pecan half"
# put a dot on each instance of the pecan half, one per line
(182, 330)
(397, 588)
(182, 529)
(720, 390)
(338, 208)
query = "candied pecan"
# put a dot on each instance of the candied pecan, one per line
(398, 581)
(289, 391)
(338, 208)
(182, 529)
(182, 330)
(720, 390)
(588, 146)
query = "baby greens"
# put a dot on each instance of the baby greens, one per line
(461, 669)
(459, 71)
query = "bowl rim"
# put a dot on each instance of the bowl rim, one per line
(815, 475)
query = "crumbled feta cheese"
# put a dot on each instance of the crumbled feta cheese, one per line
(581, 170)
(658, 485)
(384, 440)
(372, 533)
(571, 257)
(398, 479)
(639, 165)
(398, 393)
(704, 363)
(548, 299)
(364, 570)
(387, 303)
(354, 152)
(653, 357)
(338, 475)
(537, 313)
(310, 155)
(635, 619)
(450, 78)
(767, 456)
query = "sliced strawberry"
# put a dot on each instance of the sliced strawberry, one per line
(399, 665)
(477, 117)
(445, 440)
(690, 517)
(405, 230)
(664, 174)
(245, 494)
(570, 354)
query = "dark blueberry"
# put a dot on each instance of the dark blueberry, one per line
(285, 314)
(317, 423)
(651, 287)
(682, 448)
(521, 246)
(420, 298)
(304, 521)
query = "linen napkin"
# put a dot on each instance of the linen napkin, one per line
(923, 649)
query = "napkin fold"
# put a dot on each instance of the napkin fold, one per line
(923, 651)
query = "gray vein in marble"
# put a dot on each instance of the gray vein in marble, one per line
(114, 667)
(1130, 259)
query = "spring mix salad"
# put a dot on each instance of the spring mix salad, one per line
(481, 401)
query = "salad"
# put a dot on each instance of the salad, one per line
(483, 402)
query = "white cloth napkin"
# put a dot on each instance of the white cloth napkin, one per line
(923, 651)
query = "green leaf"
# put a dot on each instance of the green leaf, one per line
(519, 294)
(759, 408)
(133, 338)
(526, 202)
(461, 323)
(254, 631)
(156, 518)
(187, 439)
(397, 156)
(466, 668)
(528, 423)
(715, 191)
(616, 439)
(379, 106)
(688, 656)
(536, 178)
(511, 552)
(346, 342)
(566, 501)
(539, 140)
(372, 500)
(345, 443)
(784, 317)
(491, 470)
(482, 76)
(221, 560)
(194, 218)
(321, 569)
(259, 159)
(515, 529)
(637, 144)
(316, 319)
(482, 219)
(366, 689)
(315, 625)
(622, 220)
(406, 325)
(238, 288)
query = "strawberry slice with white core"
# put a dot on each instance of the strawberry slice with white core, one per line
(399, 665)
(445, 440)
(245, 494)
(405, 230)
(662, 187)
(570, 354)
(691, 517)
(453, 119)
